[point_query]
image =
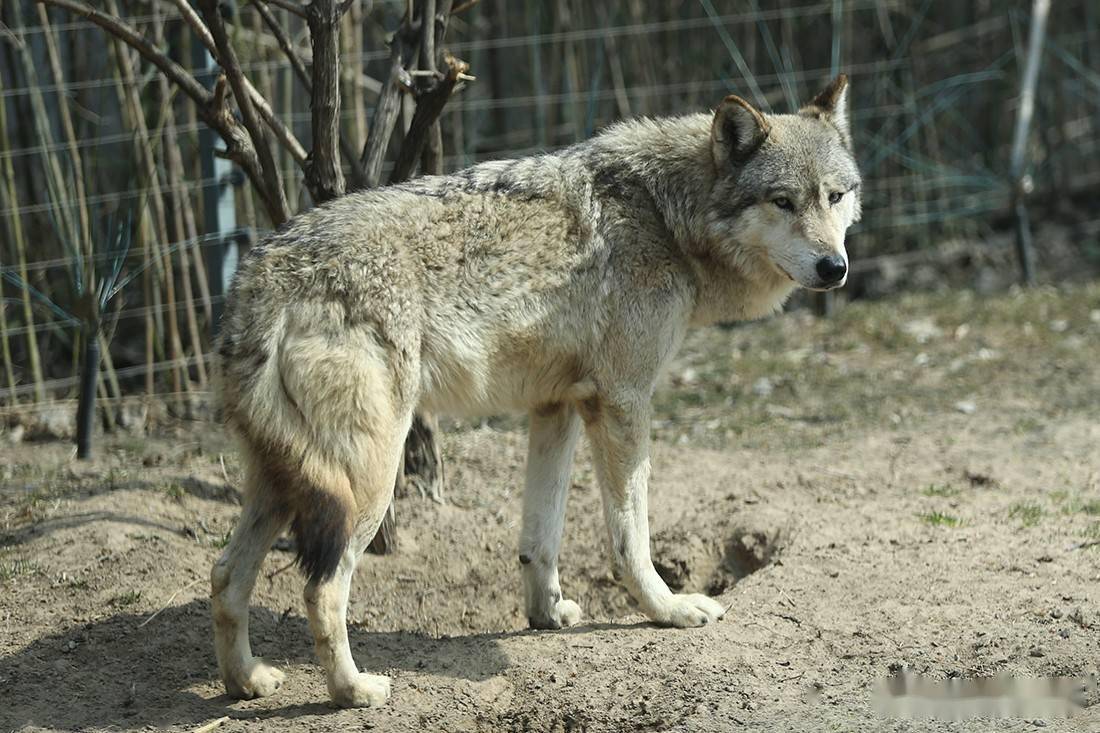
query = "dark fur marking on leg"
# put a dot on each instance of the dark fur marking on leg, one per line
(320, 528)
(548, 409)
(320, 522)
(590, 409)
(525, 559)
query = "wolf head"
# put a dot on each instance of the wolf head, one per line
(786, 188)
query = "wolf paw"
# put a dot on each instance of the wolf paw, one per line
(256, 679)
(688, 610)
(364, 691)
(561, 614)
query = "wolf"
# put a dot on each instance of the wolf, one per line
(559, 285)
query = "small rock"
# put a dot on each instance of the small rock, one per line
(966, 407)
(763, 387)
(977, 478)
(152, 459)
(1056, 613)
(922, 330)
(132, 417)
(57, 421)
(921, 359)
(1059, 326)
(15, 435)
(1038, 723)
(1036, 651)
(688, 377)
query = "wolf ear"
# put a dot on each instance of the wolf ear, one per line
(738, 129)
(831, 105)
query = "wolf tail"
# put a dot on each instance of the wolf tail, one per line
(308, 415)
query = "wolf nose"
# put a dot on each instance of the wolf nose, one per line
(831, 269)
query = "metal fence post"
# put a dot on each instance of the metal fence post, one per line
(219, 241)
(1021, 182)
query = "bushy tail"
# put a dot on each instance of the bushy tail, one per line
(319, 415)
(298, 470)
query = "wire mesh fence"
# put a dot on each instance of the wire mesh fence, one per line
(90, 131)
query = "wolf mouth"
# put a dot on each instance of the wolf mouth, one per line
(778, 267)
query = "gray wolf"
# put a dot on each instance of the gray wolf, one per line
(559, 285)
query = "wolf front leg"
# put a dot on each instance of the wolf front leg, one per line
(619, 431)
(552, 439)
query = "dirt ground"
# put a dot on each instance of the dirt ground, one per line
(913, 482)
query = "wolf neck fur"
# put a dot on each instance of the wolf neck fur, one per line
(672, 158)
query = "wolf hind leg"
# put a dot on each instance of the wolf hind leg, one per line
(326, 598)
(232, 579)
(552, 439)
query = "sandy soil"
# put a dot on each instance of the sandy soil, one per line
(910, 483)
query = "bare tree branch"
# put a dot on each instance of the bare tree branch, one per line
(403, 50)
(124, 32)
(212, 108)
(465, 6)
(282, 39)
(296, 62)
(285, 136)
(429, 105)
(271, 189)
(290, 6)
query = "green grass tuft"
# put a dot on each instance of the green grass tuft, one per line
(174, 490)
(1027, 512)
(942, 490)
(17, 568)
(126, 599)
(1091, 507)
(939, 519)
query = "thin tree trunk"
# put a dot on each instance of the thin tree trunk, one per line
(324, 176)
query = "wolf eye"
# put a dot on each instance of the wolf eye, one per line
(835, 197)
(784, 203)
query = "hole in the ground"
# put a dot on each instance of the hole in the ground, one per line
(694, 563)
